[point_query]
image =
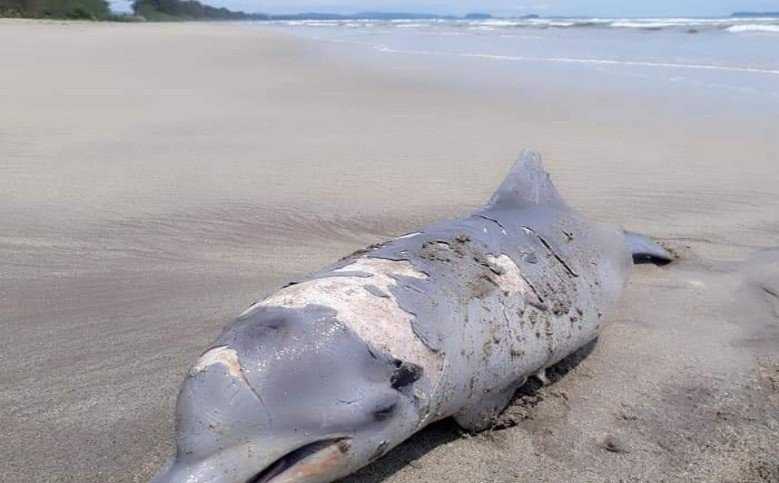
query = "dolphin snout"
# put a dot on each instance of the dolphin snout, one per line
(313, 463)
(225, 433)
(316, 462)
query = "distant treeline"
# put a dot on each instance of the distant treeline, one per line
(178, 10)
(755, 14)
(374, 16)
(164, 10)
(73, 9)
(154, 10)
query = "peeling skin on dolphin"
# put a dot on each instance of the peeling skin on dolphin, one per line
(374, 316)
(219, 355)
(510, 280)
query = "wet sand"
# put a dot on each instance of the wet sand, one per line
(157, 179)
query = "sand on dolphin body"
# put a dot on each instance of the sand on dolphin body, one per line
(155, 180)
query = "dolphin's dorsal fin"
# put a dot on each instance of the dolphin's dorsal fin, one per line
(526, 185)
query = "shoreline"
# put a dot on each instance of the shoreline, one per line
(158, 178)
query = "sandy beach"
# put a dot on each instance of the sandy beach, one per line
(156, 179)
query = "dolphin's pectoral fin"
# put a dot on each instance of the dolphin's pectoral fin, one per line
(541, 376)
(484, 413)
(646, 250)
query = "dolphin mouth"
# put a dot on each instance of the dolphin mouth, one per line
(307, 463)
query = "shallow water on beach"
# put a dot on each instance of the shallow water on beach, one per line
(735, 58)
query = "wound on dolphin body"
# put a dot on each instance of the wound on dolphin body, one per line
(219, 355)
(367, 306)
(510, 280)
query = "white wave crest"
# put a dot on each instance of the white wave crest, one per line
(751, 27)
(499, 23)
(644, 25)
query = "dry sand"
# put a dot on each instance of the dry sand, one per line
(156, 179)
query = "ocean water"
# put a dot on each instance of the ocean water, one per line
(709, 59)
(686, 24)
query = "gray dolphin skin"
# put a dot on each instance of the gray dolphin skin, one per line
(331, 372)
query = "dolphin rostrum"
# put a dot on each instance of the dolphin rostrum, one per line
(330, 373)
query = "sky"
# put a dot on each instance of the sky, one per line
(606, 8)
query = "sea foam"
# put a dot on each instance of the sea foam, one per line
(752, 27)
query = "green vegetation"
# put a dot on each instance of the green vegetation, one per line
(153, 10)
(72, 9)
(168, 10)
(183, 10)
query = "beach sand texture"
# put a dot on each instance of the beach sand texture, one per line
(157, 179)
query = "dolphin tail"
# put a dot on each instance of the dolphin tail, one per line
(646, 250)
(527, 184)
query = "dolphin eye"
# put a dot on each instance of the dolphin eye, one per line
(385, 411)
(405, 373)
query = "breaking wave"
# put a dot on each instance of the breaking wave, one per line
(692, 25)
(754, 28)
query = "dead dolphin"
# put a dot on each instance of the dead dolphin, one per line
(330, 373)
